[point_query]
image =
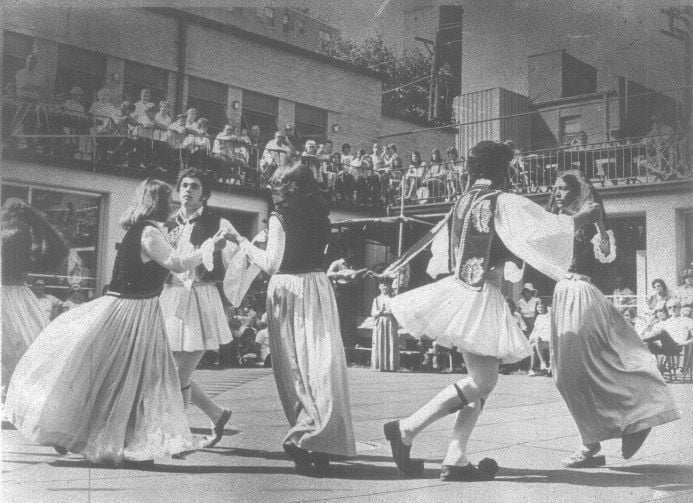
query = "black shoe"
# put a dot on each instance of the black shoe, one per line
(60, 449)
(631, 442)
(486, 470)
(400, 452)
(321, 463)
(300, 457)
(218, 429)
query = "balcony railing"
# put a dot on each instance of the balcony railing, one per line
(47, 133)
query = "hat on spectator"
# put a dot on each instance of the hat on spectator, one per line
(688, 273)
(76, 90)
(529, 287)
(39, 281)
(75, 287)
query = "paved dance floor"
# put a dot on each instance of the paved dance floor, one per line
(525, 427)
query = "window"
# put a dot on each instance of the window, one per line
(138, 76)
(84, 69)
(302, 24)
(286, 24)
(76, 215)
(210, 100)
(260, 110)
(311, 123)
(324, 39)
(268, 16)
(570, 127)
(16, 49)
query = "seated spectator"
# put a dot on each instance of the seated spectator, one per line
(539, 340)
(292, 139)
(143, 105)
(640, 325)
(50, 305)
(198, 144)
(414, 176)
(622, 296)
(224, 153)
(344, 185)
(393, 172)
(105, 117)
(75, 298)
(75, 122)
(31, 91)
(660, 294)
(277, 153)
(262, 342)
(144, 134)
(436, 176)
(176, 139)
(242, 145)
(673, 331)
(310, 159)
(685, 293)
(659, 144)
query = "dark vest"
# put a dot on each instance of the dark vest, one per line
(305, 242)
(131, 277)
(583, 251)
(204, 226)
(475, 247)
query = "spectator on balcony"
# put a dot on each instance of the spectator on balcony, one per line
(191, 116)
(176, 138)
(360, 165)
(685, 293)
(393, 171)
(414, 176)
(659, 296)
(291, 138)
(328, 167)
(144, 134)
(519, 174)
(75, 122)
(310, 159)
(457, 174)
(622, 296)
(198, 143)
(224, 153)
(143, 104)
(242, 146)
(277, 153)
(659, 144)
(437, 175)
(105, 116)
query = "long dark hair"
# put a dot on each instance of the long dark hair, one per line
(585, 193)
(152, 201)
(298, 191)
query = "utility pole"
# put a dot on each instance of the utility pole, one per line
(675, 15)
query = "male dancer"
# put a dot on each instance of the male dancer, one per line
(191, 301)
(486, 230)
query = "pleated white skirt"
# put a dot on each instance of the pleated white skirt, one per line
(101, 381)
(606, 375)
(309, 363)
(479, 322)
(205, 327)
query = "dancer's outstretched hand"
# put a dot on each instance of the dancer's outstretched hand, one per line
(219, 240)
(233, 235)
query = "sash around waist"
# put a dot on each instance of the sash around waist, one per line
(300, 271)
(135, 295)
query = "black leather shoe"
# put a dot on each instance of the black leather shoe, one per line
(486, 470)
(218, 429)
(631, 442)
(60, 449)
(321, 463)
(300, 457)
(400, 451)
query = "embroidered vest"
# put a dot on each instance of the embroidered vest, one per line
(204, 226)
(474, 246)
(305, 241)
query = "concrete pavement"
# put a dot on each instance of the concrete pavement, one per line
(525, 427)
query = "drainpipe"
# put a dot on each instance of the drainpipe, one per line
(181, 43)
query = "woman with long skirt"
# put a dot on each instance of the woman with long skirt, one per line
(305, 341)
(606, 375)
(22, 316)
(100, 380)
(385, 348)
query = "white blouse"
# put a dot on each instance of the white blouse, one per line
(156, 247)
(269, 259)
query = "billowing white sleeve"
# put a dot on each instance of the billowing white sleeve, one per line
(270, 259)
(542, 239)
(156, 247)
(230, 249)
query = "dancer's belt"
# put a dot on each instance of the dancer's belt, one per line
(300, 271)
(577, 277)
(134, 295)
(194, 283)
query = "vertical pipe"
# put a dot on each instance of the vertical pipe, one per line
(401, 215)
(181, 43)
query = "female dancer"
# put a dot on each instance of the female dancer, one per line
(305, 341)
(489, 232)
(22, 317)
(604, 372)
(385, 350)
(101, 380)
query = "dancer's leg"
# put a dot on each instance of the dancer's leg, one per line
(482, 378)
(466, 420)
(187, 363)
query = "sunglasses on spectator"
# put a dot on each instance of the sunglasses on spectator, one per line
(673, 306)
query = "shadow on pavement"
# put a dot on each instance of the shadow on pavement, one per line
(660, 477)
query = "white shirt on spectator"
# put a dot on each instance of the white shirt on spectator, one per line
(528, 308)
(678, 327)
